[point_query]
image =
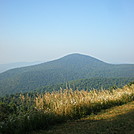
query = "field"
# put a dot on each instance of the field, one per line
(71, 104)
(116, 120)
(31, 112)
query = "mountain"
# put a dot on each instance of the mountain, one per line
(5, 67)
(70, 67)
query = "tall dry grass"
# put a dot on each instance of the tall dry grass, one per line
(78, 103)
(56, 107)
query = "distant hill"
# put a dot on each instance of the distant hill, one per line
(70, 67)
(5, 67)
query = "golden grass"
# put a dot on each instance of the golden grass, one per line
(68, 102)
(116, 120)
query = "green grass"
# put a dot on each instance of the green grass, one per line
(116, 120)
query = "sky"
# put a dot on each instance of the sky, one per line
(43, 30)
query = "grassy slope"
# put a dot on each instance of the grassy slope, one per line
(116, 120)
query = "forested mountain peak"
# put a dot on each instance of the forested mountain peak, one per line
(76, 57)
(71, 67)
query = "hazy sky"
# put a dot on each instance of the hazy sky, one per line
(42, 30)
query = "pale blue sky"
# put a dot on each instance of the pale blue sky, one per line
(42, 30)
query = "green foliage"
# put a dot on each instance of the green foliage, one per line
(29, 121)
(5, 110)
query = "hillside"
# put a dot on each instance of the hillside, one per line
(23, 113)
(70, 67)
(116, 120)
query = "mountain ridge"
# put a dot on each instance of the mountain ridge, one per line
(9, 66)
(70, 67)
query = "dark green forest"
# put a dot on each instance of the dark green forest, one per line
(87, 84)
